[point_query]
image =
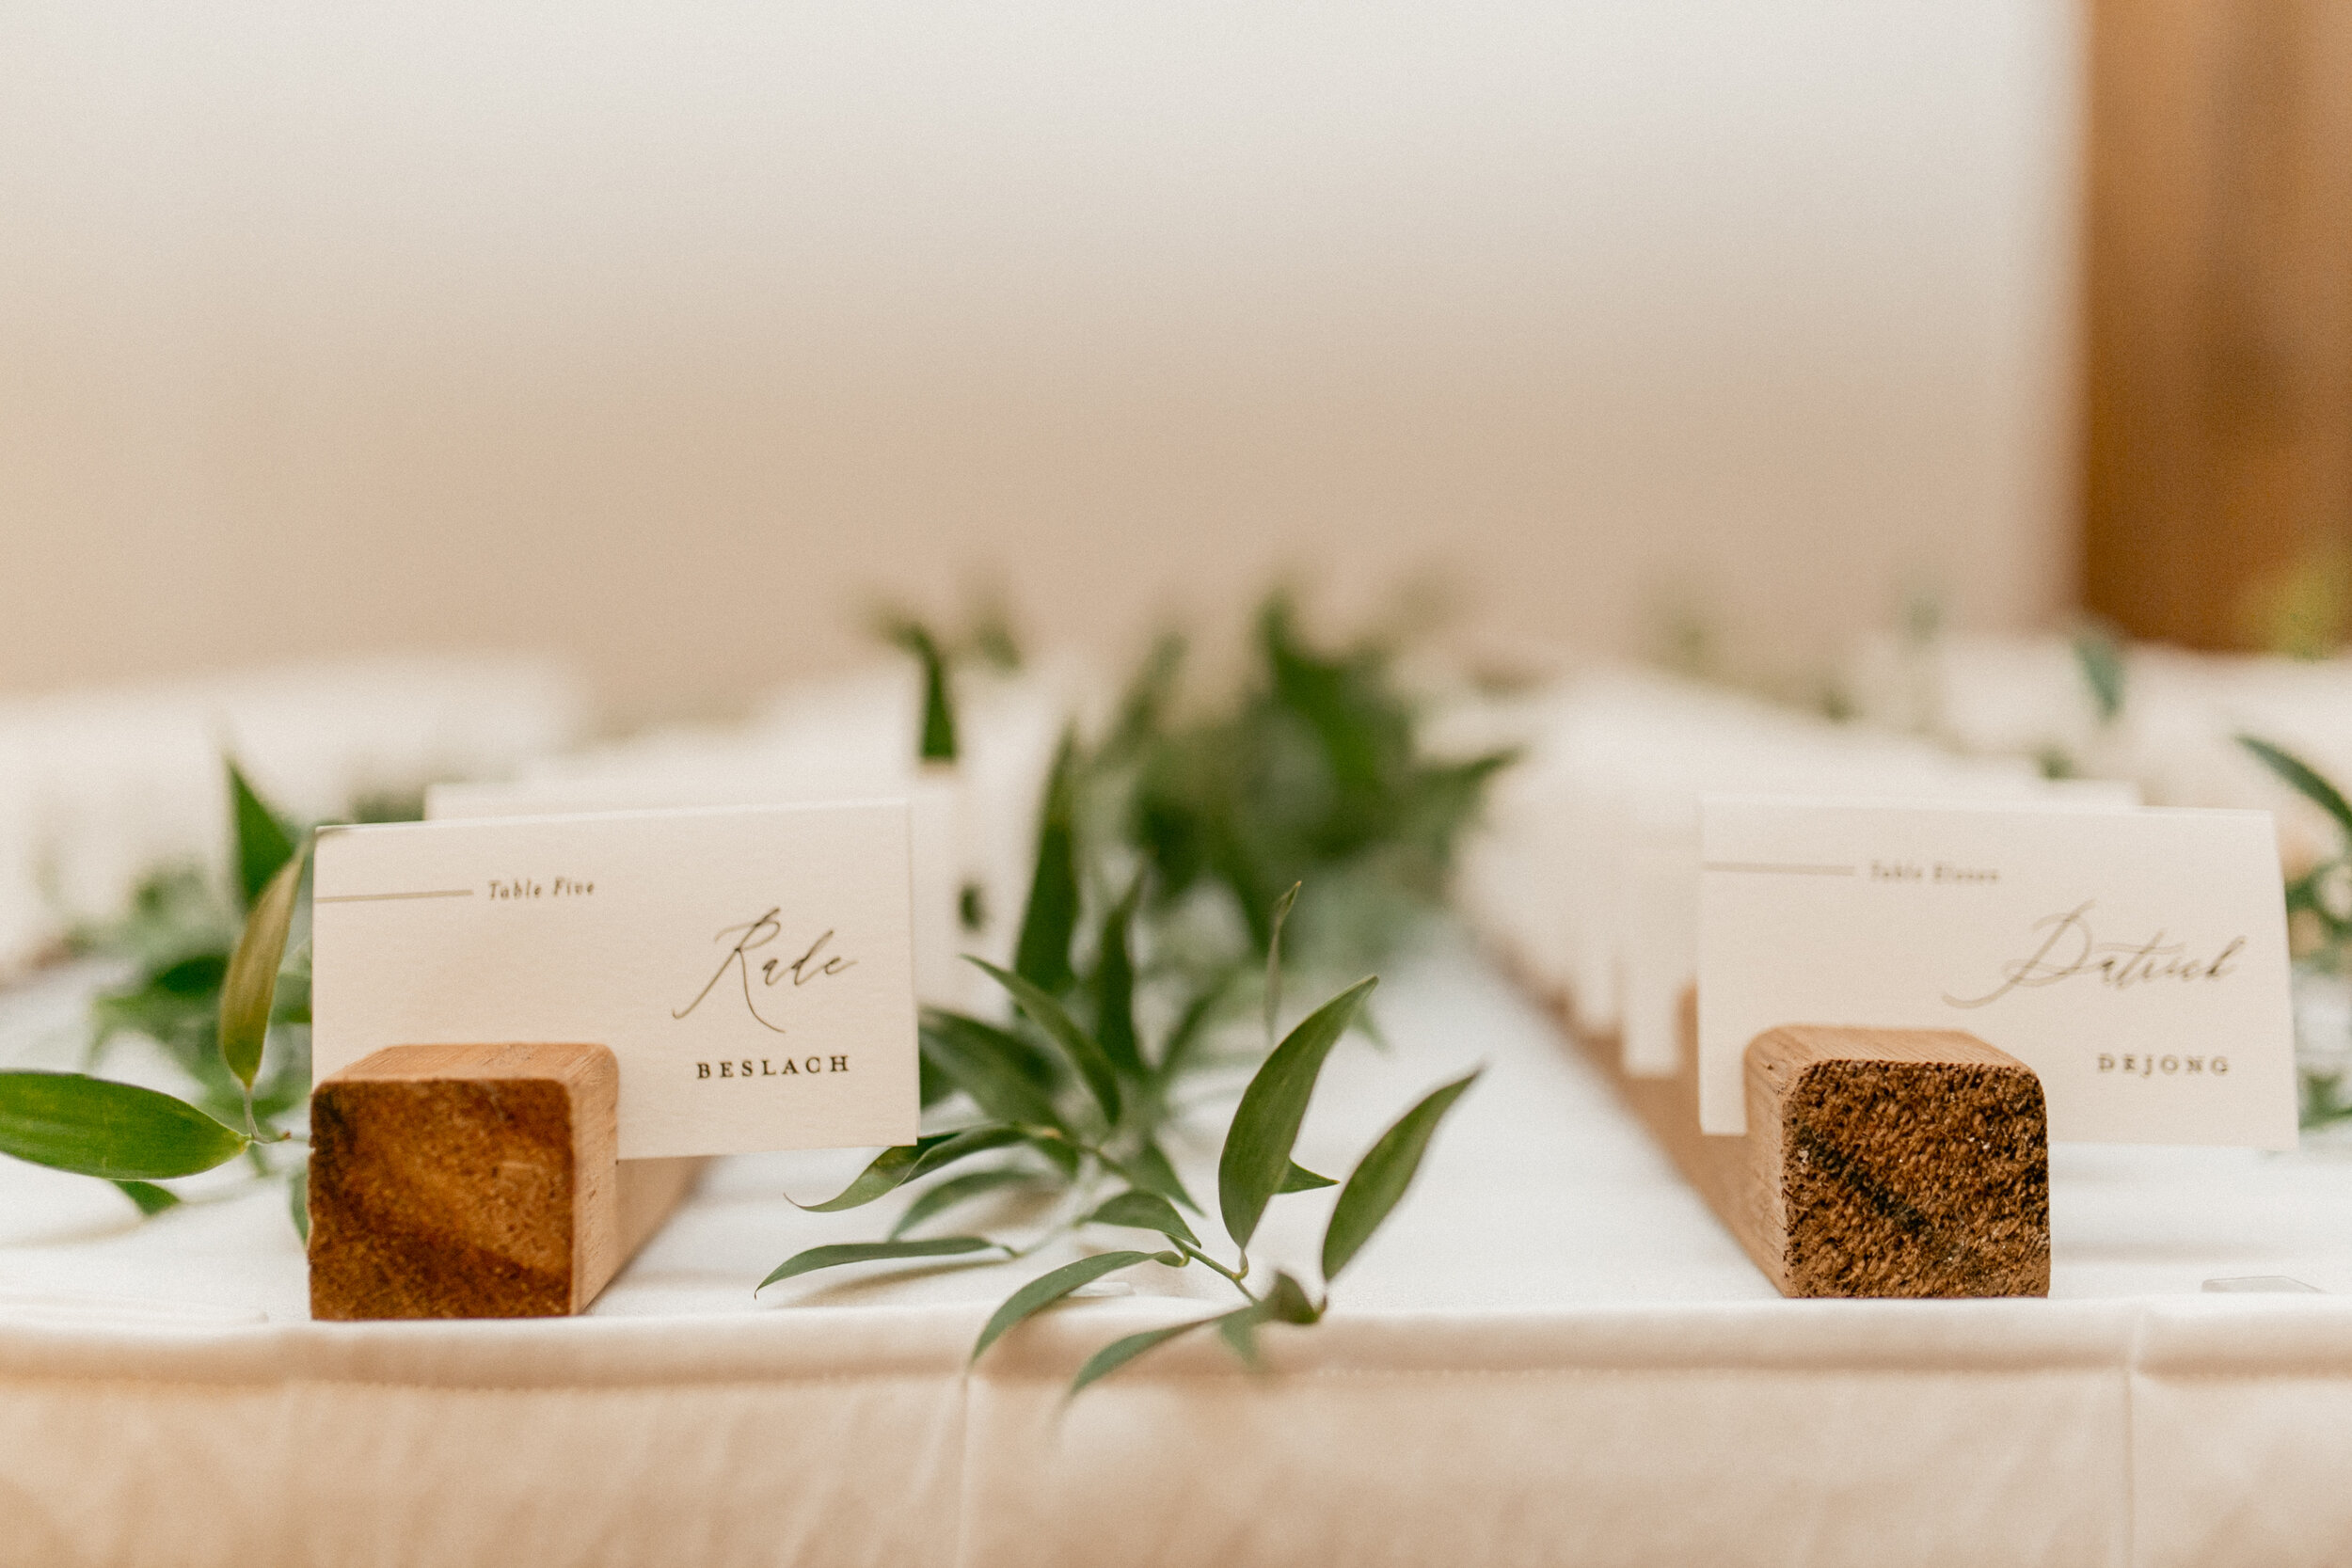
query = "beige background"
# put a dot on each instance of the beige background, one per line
(665, 336)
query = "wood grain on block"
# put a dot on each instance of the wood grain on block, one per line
(476, 1182)
(1894, 1162)
(1992, 1232)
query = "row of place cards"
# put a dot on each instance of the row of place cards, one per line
(752, 968)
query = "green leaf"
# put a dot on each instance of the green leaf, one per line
(2305, 778)
(1315, 768)
(2303, 893)
(1115, 987)
(252, 982)
(184, 1025)
(1120, 1352)
(1043, 954)
(1238, 852)
(196, 977)
(943, 1150)
(151, 1200)
(1145, 703)
(1033, 1063)
(1191, 1027)
(931, 1085)
(1239, 1330)
(895, 1167)
(1149, 1167)
(1301, 1180)
(1286, 1303)
(1050, 1286)
(2102, 665)
(991, 637)
(265, 840)
(1142, 1211)
(1274, 960)
(1363, 728)
(1449, 795)
(1052, 1016)
(1066, 1155)
(991, 1066)
(875, 1252)
(887, 1171)
(293, 994)
(1257, 1156)
(299, 1201)
(1382, 1175)
(938, 742)
(97, 1127)
(960, 1189)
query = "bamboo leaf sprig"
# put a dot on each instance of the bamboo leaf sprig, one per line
(1312, 772)
(2319, 906)
(987, 638)
(2323, 893)
(1106, 1148)
(211, 1010)
(180, 935)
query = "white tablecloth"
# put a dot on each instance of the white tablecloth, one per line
(1554, 1354)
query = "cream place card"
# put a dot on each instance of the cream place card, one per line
(751, 969)
(2137, 960)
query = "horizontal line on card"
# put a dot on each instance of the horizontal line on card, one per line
(1764, 867)
(377, 898)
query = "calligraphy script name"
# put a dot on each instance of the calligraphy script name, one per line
(2070, 951)
(753, 935)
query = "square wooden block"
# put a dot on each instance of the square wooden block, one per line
(475, 1181)
(1896, 1162)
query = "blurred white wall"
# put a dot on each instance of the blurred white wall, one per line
(662, 335)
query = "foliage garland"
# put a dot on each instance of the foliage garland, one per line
(1314, 774)
(1170, 858)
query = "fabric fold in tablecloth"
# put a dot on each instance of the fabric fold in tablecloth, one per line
(1816, 1433)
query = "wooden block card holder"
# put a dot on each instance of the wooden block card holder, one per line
(476, 1182)
(1877, 1161)
(1893, 1162)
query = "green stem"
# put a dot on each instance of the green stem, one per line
(1193, 1252)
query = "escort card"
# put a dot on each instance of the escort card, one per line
(2136, 960)
(750, 968)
